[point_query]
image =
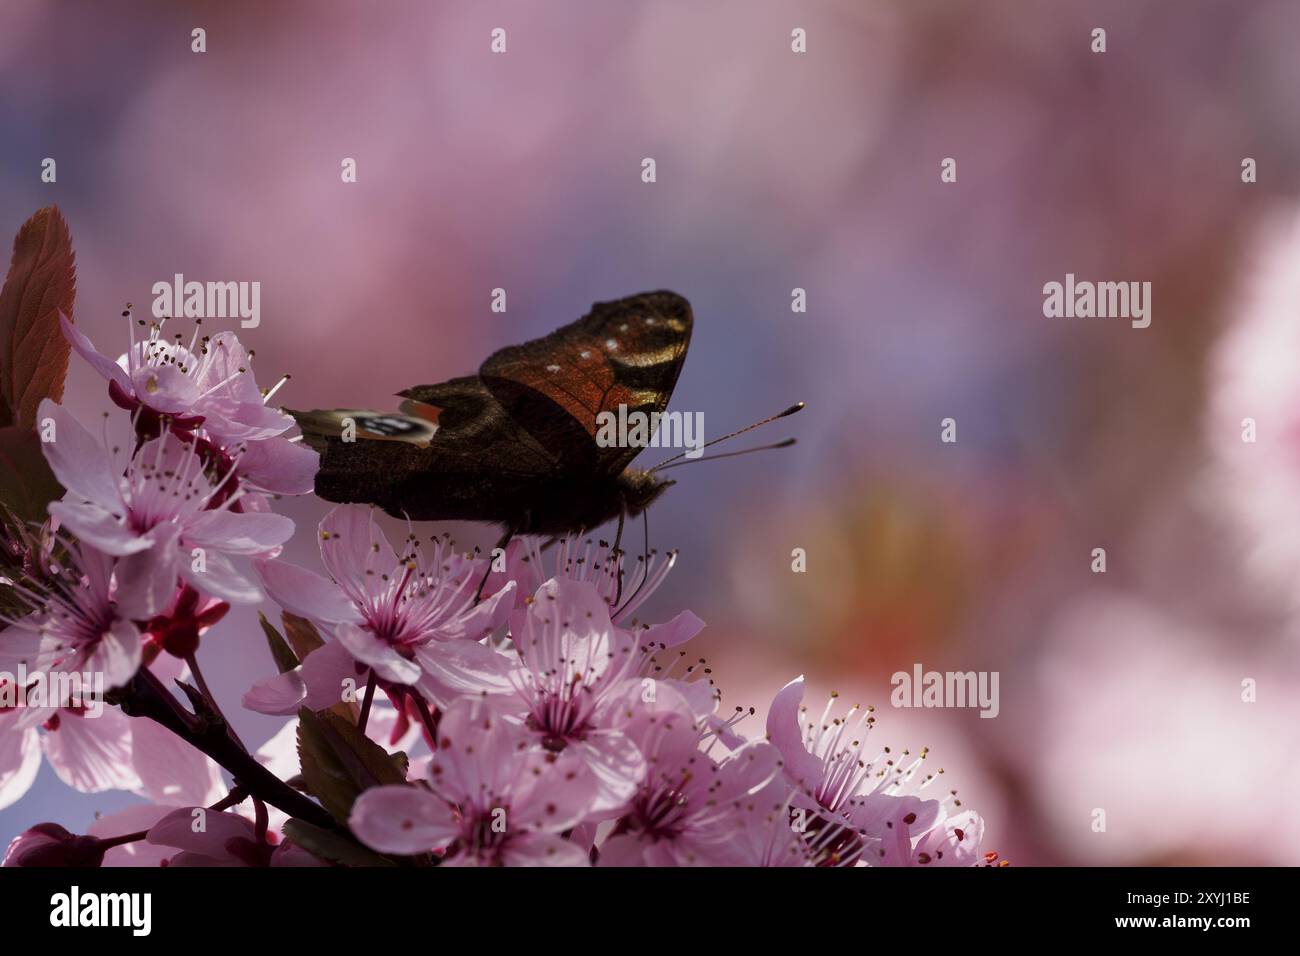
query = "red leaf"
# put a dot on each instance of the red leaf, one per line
(26, 483)
(41, 283)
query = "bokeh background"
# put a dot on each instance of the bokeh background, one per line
(1120, 691)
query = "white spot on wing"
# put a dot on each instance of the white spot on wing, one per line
(552, 368)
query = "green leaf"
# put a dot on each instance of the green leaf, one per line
(42, 282)
(333, 846)
(27, 485)
(338, 761)
(283, 655)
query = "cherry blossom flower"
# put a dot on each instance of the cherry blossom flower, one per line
(80, 622)
(209, 382)
(155, 514)
(566, 676)
(492, 799)
(382, 611)
(50, 845)
(220, 838)
(863, 797)
(686, 809)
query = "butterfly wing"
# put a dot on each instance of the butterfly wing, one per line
(626, 352)
(451, 453)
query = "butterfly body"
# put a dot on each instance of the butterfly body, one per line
(516, 444)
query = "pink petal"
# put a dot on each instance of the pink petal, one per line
(20, 758)
(92, 754)
(221, 377)
(354, 549)
(305, 593)
(232, 422)
(102, 364)
(98, 528)
(236, 533)
(672, 633)
(280, 466)
(170, 770)
(369, 648)
(164, 388)
(290, 854)
(623, 850)
(116, 655)
(453, 669)
(785, 731)
(220, 579)
(316, 684)
(542, 849)
(955, 842)
(178, 829)
(280, 695)
(146, 580)
(78, 460)
(404, 820)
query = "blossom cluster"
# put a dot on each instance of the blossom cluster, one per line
(484, 710)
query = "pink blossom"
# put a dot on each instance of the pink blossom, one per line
(567, 677)
(219, 838)
(50, 845)
(382, 611)
(493, 798)
(155, 516)
(687, 808)
(862, 798)
(80, 622)
(208, 382)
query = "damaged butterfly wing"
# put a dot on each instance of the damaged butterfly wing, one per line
(626, 352)
(450, 454)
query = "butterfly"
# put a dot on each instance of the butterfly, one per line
(516, 444)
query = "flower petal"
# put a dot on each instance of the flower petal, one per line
(783, 729)
(280, 466)
(78, 460)
(101, 363)
(116, 655)
(369, 648)
(405, 820)
(20, 758)
(237, 533)
(453, 669)
(305, 593)
(170, 770)
(354, 549)
(94, 526)
(92, 754)
(218, 577)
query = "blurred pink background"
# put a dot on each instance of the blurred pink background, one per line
(1119, 691)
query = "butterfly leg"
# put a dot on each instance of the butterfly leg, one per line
(500, 545)
(645, 562)
(618, 559)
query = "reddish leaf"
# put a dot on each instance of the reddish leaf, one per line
(26, 483)
(40, 284)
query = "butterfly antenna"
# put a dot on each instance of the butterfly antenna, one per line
(798, 406)
(785, 443)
